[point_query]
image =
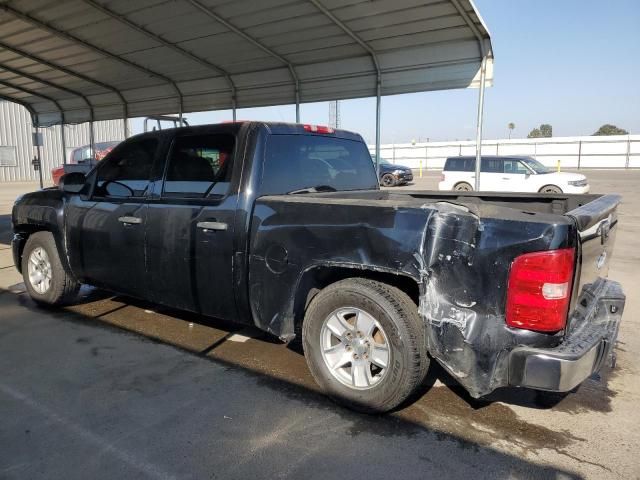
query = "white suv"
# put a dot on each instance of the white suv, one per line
(509, 174)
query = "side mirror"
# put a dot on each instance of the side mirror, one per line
(73, 182)
(527, 175)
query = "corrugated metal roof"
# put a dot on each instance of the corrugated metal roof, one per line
(77, 59)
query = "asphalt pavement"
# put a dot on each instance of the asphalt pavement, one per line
(117, 388)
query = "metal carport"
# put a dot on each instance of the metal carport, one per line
(76, 61)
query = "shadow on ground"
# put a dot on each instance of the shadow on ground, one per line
(275, 385)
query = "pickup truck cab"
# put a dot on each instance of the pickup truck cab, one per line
(509, 174)
(285, 227)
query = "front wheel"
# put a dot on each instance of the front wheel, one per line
(388, 180)
(47, 280)
(364, 344)
(550, 189)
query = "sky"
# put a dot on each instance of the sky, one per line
(574, 64)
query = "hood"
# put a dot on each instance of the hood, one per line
(386, 167)
(567, 176)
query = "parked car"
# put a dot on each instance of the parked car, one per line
(285, 227)
(82, 156)
(509, 174)
(392, 175)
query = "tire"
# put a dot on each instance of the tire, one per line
(463, 187)
(61, 287)
(550, 189)
(388, 180)
(359, 381)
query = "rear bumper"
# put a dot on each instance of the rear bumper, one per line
(593, 330)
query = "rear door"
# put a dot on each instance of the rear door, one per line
(190, 226)
(491, 174)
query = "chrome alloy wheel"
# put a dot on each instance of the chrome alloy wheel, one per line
(40, 270)
(355, 348)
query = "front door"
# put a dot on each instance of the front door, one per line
(108, 229)
(516, 177)
(190, 227)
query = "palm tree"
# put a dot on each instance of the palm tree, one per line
(511, 126)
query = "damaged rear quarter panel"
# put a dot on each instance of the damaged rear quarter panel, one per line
(467, 256)
(310, 232)
(459, 257)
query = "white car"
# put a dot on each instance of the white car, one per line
(509, 174)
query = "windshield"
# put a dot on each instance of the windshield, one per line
(298, 162)
(536, 166)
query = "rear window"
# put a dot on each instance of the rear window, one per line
(459, 164)
(295, 162)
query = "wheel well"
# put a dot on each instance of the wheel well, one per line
(24, 232)
(461, 182)
(318, 278)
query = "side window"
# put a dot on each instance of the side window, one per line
(512, 165)
(491, 165)
(199, 165)
(126, 171)
(459, 164)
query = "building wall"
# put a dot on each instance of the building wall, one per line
(616, 151)
(16, 133)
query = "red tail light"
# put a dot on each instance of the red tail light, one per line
(442, 177)
(318, 129)
(539, 290)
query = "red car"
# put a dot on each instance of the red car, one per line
(82, 156)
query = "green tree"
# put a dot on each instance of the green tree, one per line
(544, 131)
(608, 129)
(511, 126)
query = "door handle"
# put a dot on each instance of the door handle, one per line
(506, 178)
(212, 225)
(130, 220)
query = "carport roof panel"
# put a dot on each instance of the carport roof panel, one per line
(82, 59)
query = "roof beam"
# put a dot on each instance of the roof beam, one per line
(210, 13)
(351, 33)
(73, 39)
(52, 85)
(202, 61)
(69, 72)
(35, 94)
(465, 16)
(22, 104)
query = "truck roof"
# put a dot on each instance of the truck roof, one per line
(275, 128)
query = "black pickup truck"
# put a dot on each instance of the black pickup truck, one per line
(285, 227)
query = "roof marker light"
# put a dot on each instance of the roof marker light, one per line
(318, 129)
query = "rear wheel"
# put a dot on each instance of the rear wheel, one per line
(463, 187)
(364, 344)
(47, 280)
(550, 189)
(388, 180)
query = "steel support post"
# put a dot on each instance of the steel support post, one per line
(483, 74)
(38, 156)
(64, 144)
(92, 142)
(378, 104)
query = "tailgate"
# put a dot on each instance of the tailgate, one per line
(597, 223)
